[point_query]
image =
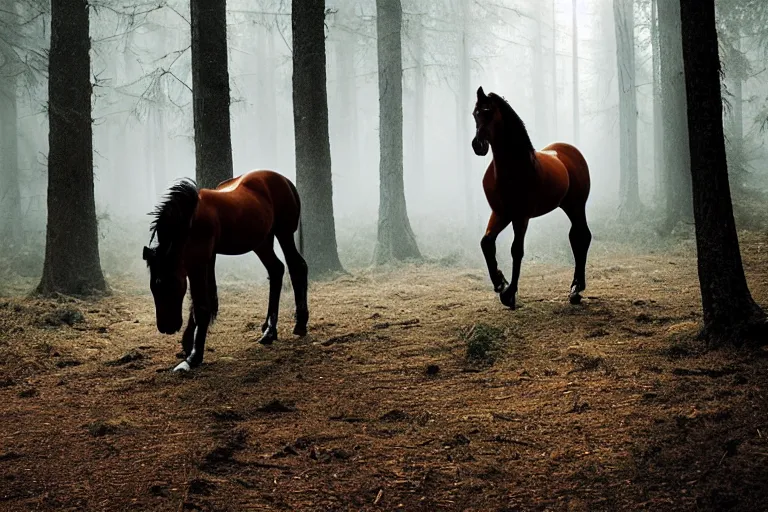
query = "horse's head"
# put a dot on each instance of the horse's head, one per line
(168, 282)
(487, 116)
(167, 274)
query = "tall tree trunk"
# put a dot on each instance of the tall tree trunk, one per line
(575, 67)
(267, 98)
(395, 239)
(159, 149)
(72, 264)
(730, 314)
(738, 73)
(554, 69)
(419, 111)
(677, 163)
(463, 108)
(347, 104)
(539, 98)
(210, 92)
(625, 59)
(658, 133)
(313, 147)
(10, 193)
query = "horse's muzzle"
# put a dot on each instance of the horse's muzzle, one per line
(480, 146)
(169, 327)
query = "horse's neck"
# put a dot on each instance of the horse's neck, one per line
(516, 164)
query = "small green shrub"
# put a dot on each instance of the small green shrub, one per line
(483, 343)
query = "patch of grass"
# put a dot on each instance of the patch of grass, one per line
(584, 362)
(64, 315)
(483, 343)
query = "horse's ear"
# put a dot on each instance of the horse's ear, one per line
(147, 254)
(480, 93)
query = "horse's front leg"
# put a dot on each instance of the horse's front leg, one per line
(488, 244)
(201, 311)
(518, 250)
(188, 338)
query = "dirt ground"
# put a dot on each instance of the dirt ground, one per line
(415, 390)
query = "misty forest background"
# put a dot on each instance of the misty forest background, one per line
(605, 75)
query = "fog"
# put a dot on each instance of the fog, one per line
(519, 49)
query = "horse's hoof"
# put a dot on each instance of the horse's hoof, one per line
(181, 355)
(183, 367)
(268, 337)
(300, 330)
(507, 300)
(575, 296)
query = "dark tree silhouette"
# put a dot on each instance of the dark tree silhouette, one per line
(210, 92)
(730, 313)
(395, 237)
(624, 21)
(21, 65)
(72, 264)
(575, 70)
(10, 195)
(677, 163)
(313, 147)
(658, 132)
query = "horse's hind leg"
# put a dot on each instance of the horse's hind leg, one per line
(298, 270)
(580, 237)
(275, 269)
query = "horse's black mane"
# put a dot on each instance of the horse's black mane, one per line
(513, 121)
(173, 215)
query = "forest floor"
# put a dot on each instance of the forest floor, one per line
(415, 390)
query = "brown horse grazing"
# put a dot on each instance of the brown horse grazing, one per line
(522, 183)
(242, 214)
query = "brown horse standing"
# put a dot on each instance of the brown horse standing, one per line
(242, 214)
(522, 183)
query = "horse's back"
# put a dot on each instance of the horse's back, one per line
(578, 172)
(243, 210)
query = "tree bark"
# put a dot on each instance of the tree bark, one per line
(738, 73)
(395, 239)
(730, 313)
(658, 133)
(554, 69)
(419, 110)
(625, 58)
(347, 96)
(539, 98)
(464, 106)
(267, 97)
(10, 193)
(677, 164)
(210, 92)
(575, 66)
(313, 148)
(72, 264)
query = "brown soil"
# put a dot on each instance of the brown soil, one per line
(610, 405)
